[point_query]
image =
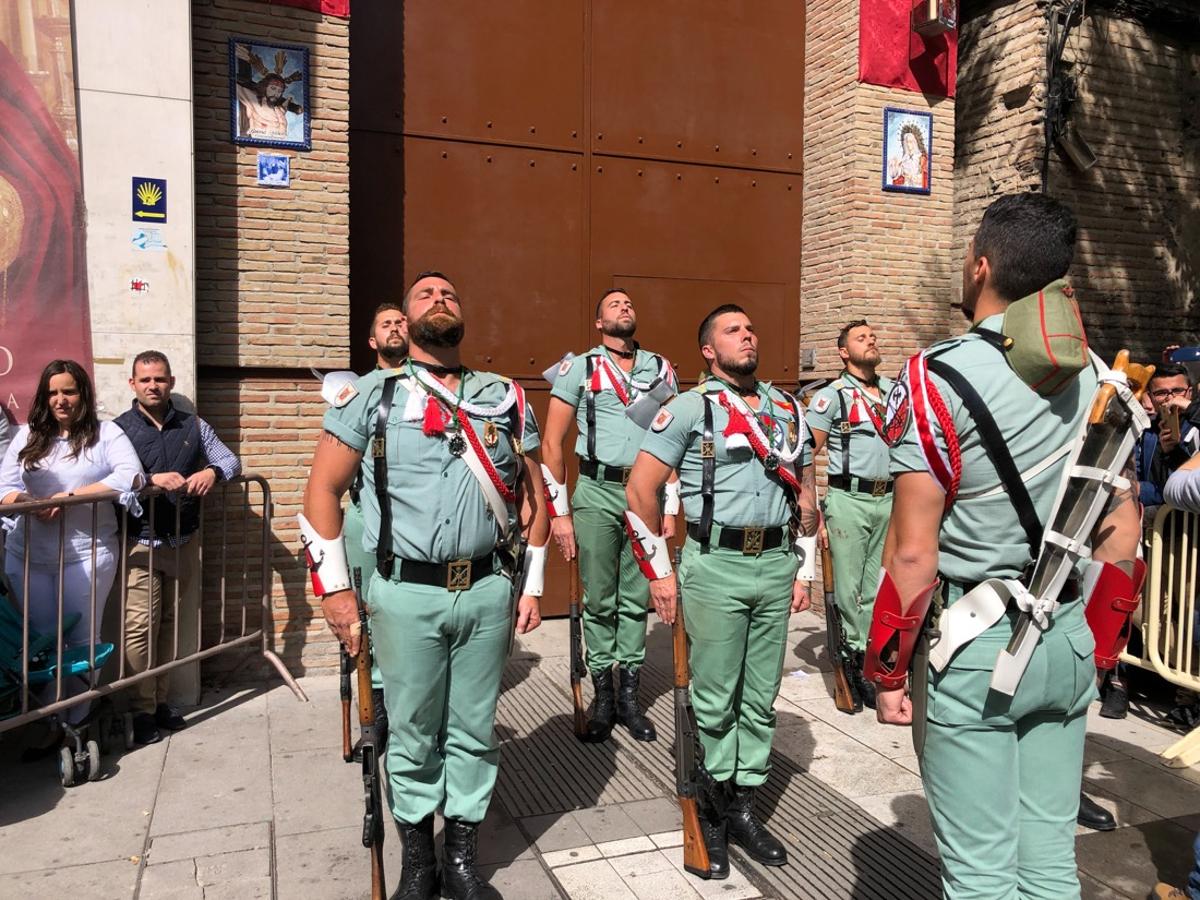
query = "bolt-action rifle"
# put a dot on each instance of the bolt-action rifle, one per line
(845, 698)
(373, 818)
(578, 668)
(689, 755)
(346, 668)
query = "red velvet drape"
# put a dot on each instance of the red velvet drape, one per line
(891, 54)
(340, 8)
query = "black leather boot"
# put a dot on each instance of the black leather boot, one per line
(419, 875)
(459, 878)
(749, 833)
(604, 708)
(866, 690)
(629, 711)
(713, 826)
(1094, 816)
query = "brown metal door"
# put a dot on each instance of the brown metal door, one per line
(542, 151)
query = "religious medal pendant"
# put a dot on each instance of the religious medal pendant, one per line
(457, 444)
(771, 461)
(791, 432)
(491, 436)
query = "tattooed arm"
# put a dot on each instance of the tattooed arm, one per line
(1116, 536)
(333, 468)
(807, 501)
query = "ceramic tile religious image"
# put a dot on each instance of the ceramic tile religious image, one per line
(907, 150)
(268, 94)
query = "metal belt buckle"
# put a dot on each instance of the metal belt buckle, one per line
(458, 575)
(752, 541)
(625, 470)
(378, 447)
(878, 488)
(708, 450)
(845, 427)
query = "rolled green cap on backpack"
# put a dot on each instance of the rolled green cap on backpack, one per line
(1047, 345)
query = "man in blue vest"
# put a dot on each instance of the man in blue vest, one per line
(183, 455)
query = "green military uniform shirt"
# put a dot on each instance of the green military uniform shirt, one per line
(742, 495)
(438, 508)
(834, 404)
(618, 437)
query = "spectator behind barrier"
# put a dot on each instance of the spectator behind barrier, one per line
(1174, 435)
(65, 451)
(1183, 487)
(183, 455)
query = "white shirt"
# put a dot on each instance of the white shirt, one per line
(112, 461)
(1183, 490)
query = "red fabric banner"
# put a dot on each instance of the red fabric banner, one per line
(339, 8)
(891, 54)
(43, 284)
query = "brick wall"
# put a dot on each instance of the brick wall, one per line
(1137, 267)
(272, 292)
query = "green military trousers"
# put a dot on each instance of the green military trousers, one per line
(736, 612)
(1002, 774)
(358, 558)
(616, 593)
(857, 523)
(441, 654)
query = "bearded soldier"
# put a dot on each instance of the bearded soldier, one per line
(745, 465)
(445, 490)
(848, 414)
(600, 390)
(985, 428)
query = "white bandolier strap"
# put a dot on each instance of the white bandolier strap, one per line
(649, 549)
(326, 559)
(535, 571)
(671, 498)
(556, 493)
(805, 548)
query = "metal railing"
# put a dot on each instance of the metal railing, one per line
(243, 581)
(1168, 614)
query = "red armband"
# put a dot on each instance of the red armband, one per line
(894, 633)
(1111, 598)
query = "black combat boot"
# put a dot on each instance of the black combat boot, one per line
(604, 708)
(866, 690)
(711, 810)
(629, 712)
(1094, 816)
(749, 833)
(419, 876)
(459, 877)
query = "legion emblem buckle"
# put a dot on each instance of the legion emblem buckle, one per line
(878, 488)
(708, 449)
(845, 427)
(458, 575)
(625, 470)
(378, 447)
(752, 541)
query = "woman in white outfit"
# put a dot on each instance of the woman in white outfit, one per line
(65, 451)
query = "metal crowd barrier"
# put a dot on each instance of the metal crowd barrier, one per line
(242, 582)
(1168, 615)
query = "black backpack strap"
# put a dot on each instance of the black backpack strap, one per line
(590, 399)
(708, 476)
(384, 558)
(997, 450)
(844, 428)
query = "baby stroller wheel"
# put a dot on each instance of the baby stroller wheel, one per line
(66, 766)
(93, 760)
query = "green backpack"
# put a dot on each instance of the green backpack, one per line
(1046, 344)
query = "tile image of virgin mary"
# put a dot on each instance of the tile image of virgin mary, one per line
(43, 281)
(911, 167)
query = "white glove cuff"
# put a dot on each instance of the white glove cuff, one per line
(805, 549)
(535, 571)
(650, 550)
(671, 498)
(556, 494)
(325, 558)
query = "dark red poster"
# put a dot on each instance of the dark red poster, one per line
(340, 8)
(891, 54)
(43, 282)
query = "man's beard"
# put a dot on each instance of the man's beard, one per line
(619, 329)
(868, 359)
(739, 367)
(395, 353)
(437, 328)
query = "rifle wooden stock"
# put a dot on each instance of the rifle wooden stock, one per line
(695, 851)
(347, 748)
(1139, 377)
(843, 694)
(578, 669)
(372, 836)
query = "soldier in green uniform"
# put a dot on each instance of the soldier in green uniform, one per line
(389, 340)
(446, 485)
(1000, 761)
(599, 390)
(745, 466)
(847, 416)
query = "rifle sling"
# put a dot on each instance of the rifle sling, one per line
(384, 558)
(708, 468)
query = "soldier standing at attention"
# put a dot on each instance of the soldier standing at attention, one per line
(597, 389)
(389, 340)
(447, 487)
(1000, 760)
(745, 465)
(848, 414)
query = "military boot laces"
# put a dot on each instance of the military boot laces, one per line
(629, 711)
(418, 875)
(749, 833)
(604, 708)
(459, 878)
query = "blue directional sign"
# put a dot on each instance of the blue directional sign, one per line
(150, 200)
